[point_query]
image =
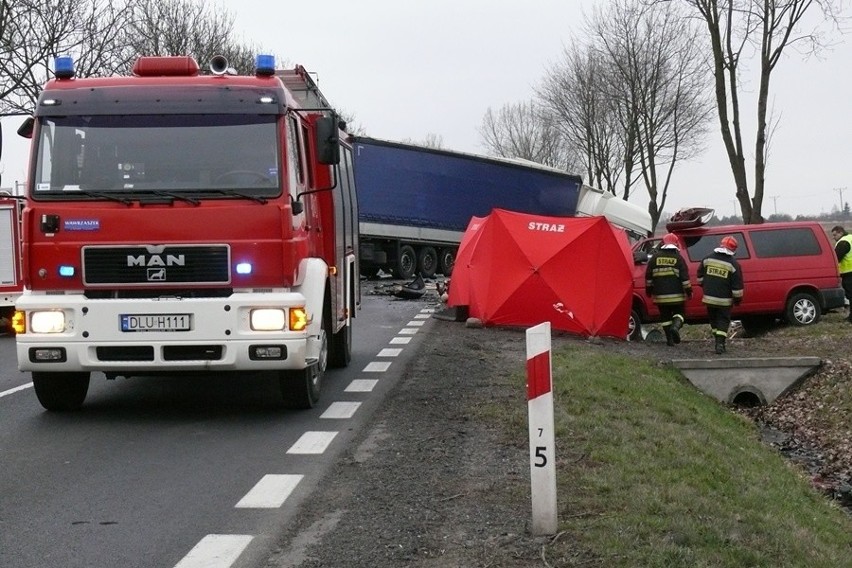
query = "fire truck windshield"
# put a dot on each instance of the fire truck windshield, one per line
(202, 156)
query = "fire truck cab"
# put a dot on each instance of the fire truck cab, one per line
(180, 220)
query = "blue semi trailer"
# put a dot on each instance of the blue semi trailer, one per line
(415, 202)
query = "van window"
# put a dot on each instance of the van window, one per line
(699, 247)
(785, 242)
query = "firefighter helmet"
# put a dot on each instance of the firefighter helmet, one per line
(729, 243)
(669, 241)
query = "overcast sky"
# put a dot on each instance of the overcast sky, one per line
(408, 69)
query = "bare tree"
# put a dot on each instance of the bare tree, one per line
(572, 92)
(632, 98)
(187, 27)
(768, 27)
(528, 131)
(657, 86)
(431, 140)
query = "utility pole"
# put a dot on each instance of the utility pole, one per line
(840, 191)
(774, 199)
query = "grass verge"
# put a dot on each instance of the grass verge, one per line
(651, 472)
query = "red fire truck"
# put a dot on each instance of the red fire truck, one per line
(180, 220)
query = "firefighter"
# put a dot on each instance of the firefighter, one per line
(667, 283)
(720, 276)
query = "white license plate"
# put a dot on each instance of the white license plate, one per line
(156, 322)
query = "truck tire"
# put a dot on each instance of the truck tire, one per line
(301, 389)
(59, 392)
(406, 263)
(340, 347)
(427, 262)
(802, 309)
(446, 261)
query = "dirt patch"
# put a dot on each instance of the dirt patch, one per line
(432, 485)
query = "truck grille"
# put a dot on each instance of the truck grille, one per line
(156, 265)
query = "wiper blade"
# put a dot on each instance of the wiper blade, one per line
(177, 196)
(235, 193)
(105, 195)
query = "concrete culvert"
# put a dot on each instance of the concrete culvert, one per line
(747, 398)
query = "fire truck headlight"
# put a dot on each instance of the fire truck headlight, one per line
(298, 319)
(52, 321)
(19, 322)
(268, 319)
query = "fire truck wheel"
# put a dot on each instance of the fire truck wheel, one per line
(340, 350)
(301, 389)
(61, 391)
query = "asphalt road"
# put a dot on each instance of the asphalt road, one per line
(181, 472)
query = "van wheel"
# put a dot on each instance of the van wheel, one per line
(802, 309)
(634, 327)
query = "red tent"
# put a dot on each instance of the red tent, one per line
(516, 269)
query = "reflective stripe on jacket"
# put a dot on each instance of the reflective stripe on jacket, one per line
(720, 276)
(667, 277)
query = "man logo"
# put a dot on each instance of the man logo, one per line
(156, 275)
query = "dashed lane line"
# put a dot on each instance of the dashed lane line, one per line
(408, 331)
(389, 352)
(312, 443)
(400, 341)
(216, 551)
(270, 492)
(361, 385)
(377, 367)
(416, 323)
(340, 410)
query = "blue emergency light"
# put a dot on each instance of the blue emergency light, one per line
(264, 65)
(63, 67)
(244, 268)
(66, 271)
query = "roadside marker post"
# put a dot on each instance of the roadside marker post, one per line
(542, 436)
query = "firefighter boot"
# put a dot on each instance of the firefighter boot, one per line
(720, 344)
(667, 329)
(677, 323)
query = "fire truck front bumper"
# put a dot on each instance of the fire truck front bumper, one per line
(243, 332)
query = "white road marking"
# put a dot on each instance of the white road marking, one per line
(422, 316)
(312, 443)
(361, 385)
(270, 492)
(341, 410)
(400, 341)
(408, 331)
(415, 323)
(377, 367)
(16, 389)
(427, 311)
(215, 551)
(389, 352)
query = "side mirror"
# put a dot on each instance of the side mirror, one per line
(640, 257)
(26, 129)
(327, 140)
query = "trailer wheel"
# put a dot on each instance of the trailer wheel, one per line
(446, 261)
(60, 392)
(427, 262)
(406, 263)
(301, 389)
